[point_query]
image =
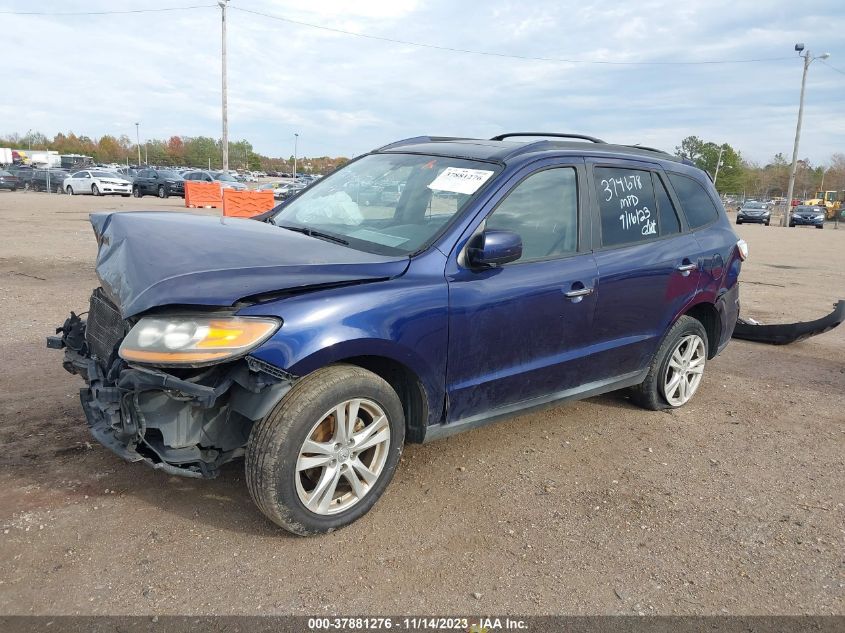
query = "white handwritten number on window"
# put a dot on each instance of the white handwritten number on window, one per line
(614, 187)
(638, 218)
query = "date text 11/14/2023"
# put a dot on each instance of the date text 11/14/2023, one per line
(466, 624)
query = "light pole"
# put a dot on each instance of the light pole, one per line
(808, 59)
(223, 4)
(718, 164)
(295, 144)
(138, 139)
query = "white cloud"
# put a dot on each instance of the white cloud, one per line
(343, 94)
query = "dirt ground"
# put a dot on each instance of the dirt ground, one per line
(733, 504)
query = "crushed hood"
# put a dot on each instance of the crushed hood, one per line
(150, 259)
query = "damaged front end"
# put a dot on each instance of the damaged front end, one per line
(185, 421)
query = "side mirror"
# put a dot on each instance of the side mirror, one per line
(494, 248)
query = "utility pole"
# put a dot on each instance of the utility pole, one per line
(223, 4)
(808, 59)
(138, 138)
(295, 143)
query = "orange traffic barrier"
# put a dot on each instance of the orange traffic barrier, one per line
(245, 204)
(203, 194)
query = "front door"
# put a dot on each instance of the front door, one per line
(521, 331)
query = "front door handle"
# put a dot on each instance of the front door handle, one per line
(577, 294)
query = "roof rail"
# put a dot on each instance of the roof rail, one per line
(648, 149)
(582, 137)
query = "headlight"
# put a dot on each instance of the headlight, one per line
(194, 340)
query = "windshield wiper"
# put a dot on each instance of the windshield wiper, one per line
(312, 233)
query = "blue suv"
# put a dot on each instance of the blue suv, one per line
(315, 340)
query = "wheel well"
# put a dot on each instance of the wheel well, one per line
(707, 314)
(407, 386)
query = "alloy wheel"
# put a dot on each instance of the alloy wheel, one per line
(342, 457)
(685, 369)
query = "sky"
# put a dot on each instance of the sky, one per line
(345, 95)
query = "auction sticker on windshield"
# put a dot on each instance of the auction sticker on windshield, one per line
(460, 180)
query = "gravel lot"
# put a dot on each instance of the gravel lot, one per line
(734, 504)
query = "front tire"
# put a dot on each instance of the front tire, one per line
(323, 457)
(59, 190)
(676, 369)
(162, 192)
(136, 191)
(95, 190)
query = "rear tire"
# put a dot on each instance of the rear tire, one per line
(69, 190)
(59, 189)
(322, 498)
(820, 226)
(738, 222)
(652, 392)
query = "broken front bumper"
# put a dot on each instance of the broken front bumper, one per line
(186, 425)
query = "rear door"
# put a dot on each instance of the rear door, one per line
(648, 263)
(522, 331)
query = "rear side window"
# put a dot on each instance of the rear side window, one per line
(669, 222)
(696, 203)
(627, 205)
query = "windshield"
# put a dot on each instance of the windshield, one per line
(166, 173)
(224, 178)
(755, 205)
(388, 203)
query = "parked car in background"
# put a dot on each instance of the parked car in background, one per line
(9, 181)
(226, 181)
(278, 189)
(48, 180)
(158, 182)
(807, 216)
(754, 212)
(23, 173)
(98, 183)
(320, 338)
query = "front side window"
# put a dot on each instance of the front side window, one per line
(543, 211)
(387, 203)
(627, 206)
(697, 204)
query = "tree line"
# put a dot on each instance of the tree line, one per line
(749, 179)
(736, 175)
(196, 151)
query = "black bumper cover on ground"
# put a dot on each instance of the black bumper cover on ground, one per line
(786, 333)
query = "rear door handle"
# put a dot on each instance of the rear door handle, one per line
(686, 268)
